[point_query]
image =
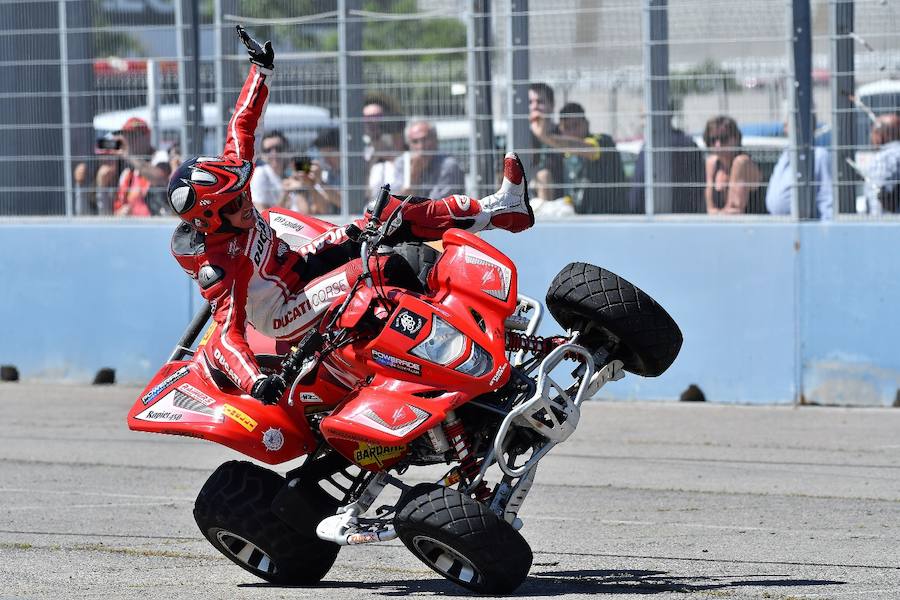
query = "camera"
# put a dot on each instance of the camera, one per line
(302, 163)
(109, 142)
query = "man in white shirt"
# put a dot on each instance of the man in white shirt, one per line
(265, 186)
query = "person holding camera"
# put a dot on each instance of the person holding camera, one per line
(142, 183)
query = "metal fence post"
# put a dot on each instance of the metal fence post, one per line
(801, 53)
(153, 100)
(64, 101)
(483, 149)
(843, 138)
(350, 91)
(517, 66)
(657, 124)
(197, 104)
(182, 84)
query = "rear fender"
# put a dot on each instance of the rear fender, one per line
(375, 426)
(180, 400)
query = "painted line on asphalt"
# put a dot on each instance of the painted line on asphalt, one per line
(89, 493)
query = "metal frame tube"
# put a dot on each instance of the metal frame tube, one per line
(64, 103)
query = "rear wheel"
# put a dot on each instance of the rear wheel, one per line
(462, 540)
(234, 512)
(616, 314)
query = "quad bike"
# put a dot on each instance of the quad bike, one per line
(449, 373)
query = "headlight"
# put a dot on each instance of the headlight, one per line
(478, 363)
(443, 345)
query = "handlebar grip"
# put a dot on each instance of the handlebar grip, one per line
(384, 195)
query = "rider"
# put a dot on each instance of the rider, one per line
(248, 274)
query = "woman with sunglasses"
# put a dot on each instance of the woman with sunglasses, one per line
(249, 275)
(731, 175)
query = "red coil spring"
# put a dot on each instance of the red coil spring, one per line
(459, 441)
(532, 343)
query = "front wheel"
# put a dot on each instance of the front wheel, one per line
(462, 540)
(234, 512)
(614, 313)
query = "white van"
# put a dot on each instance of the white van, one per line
(300, 123)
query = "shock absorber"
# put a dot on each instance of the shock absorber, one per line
(532, 343)
(459, 441)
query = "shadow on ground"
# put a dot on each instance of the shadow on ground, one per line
(559, 583)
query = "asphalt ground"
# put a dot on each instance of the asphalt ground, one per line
(646, 500)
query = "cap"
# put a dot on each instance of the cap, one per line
(136, 124)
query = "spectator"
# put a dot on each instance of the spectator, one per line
(882, 175)
(142, 183)
(546, 164)
(266, 183)
(686, 174)
(383, 128)
(781, 183)
(99, 198)
(592, 165)
(731, 175)
(422, 171)
(323, 180)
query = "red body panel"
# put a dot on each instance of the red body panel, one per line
(472, 288)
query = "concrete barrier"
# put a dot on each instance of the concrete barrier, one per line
(768, 309)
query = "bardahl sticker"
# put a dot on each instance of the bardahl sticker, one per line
(371, 454)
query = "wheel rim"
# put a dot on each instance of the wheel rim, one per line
(446, 560)
(246, 552)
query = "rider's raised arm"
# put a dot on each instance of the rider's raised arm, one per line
(251, 104)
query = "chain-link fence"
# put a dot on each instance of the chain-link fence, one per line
(616, 107)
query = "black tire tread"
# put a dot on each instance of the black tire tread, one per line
(502, 554)
(238, 497)
(583, 292)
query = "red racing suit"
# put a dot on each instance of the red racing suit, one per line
(256, 277)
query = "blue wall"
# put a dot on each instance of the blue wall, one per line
(764, 307)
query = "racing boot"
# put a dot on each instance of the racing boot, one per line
(509, 207)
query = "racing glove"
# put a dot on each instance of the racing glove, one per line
(268, 390)
(262, 56)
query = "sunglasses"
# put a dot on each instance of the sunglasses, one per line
(722, 139)
(235, 205)
(276, 148)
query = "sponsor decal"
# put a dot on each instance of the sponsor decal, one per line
(205, 202)
(371, 454)
(234, 248)
(332, 237)
(196, 394)
(463, 202)
(273, 439)
(208, 333)
(309, 398)
(408, 323)
(281, 252)
(386, 360)
(313, 300)
(403, 420)
(226, 368)
(239, 417)
(179, 407)
(498, 374)
(288, 223)
(158, 388)
(264, 235)
(495, 278)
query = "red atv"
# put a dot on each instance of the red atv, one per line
(448, 373)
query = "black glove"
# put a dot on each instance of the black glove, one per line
(259, 55)
(268, 390)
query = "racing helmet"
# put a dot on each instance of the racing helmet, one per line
(202, 186)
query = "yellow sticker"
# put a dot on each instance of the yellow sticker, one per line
(207, 334)
(371, 454)
(239, 417)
